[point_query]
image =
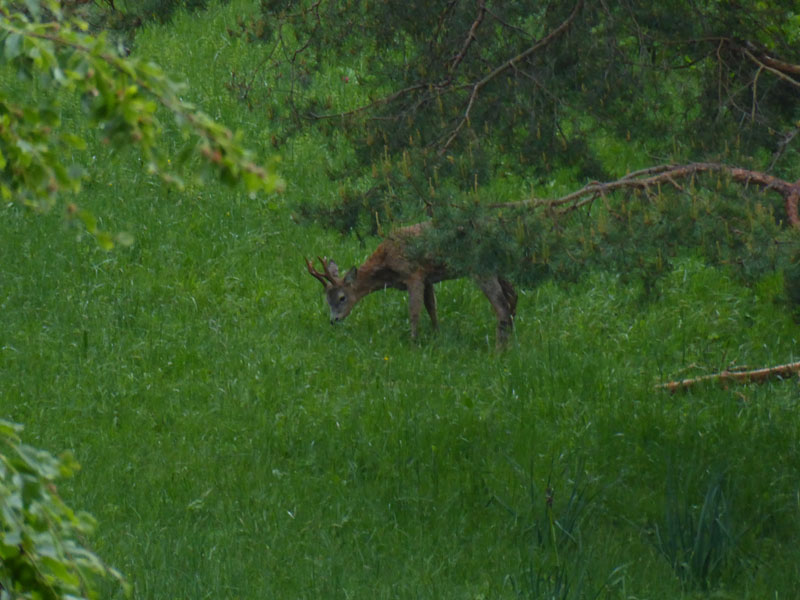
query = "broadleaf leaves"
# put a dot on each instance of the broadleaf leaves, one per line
(40, 552)
(121, 95)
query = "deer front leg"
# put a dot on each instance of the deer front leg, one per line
(430, 304)
(416, 293)
(502, 308)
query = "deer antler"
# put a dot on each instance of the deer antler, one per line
(327, 278)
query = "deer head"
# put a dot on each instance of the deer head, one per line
(339, 291)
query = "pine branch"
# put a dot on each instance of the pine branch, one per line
(780, 67)
(510, 63)
(668, 174)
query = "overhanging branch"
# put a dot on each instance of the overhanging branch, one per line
(781, 68)
(669, 175)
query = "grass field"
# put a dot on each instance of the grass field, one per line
(235, 445)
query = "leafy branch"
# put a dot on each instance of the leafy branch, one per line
(41, 553)
(121, 95)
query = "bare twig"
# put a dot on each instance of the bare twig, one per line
(770, 61)
(770, 65)
(375, 103)
(509, 64)
(782, 145)
(470, 36)
(440, 23)
(757, 376)
(506, 24)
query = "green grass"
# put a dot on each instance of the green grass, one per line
(235, 445)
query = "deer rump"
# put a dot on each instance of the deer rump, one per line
(391, 267)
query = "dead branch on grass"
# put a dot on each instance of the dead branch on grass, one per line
(755, 376)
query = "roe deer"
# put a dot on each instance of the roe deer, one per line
(391, 267)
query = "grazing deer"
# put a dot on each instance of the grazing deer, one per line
(391, 267)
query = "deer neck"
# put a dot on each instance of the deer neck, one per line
(367, 281)
(375, 275)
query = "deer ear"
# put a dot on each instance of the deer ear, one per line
(333, 268)
(351, 275)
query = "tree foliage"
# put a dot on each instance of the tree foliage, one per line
(536, 82)
(42, 552)
(455, 107)
(123, 96)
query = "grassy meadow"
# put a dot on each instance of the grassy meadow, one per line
(235, 445)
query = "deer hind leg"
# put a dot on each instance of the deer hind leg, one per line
(509, 293)
(416, 296)
(504, 302)
(430, 304)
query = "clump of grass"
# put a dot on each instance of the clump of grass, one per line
(553, 560)
(698, 540)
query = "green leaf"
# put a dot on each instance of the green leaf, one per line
(39, 462)
(74, 141)
(9, 429)
(61, 571)
(13, 46)
(35, 8)
(12, 541)
(89, 220)
(59, 76)
(123, 238)
(104, 240)
(9, 549)
(67, 465)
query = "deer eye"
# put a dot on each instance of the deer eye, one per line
(342, 298)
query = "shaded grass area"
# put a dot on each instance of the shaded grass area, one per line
(235, 445)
